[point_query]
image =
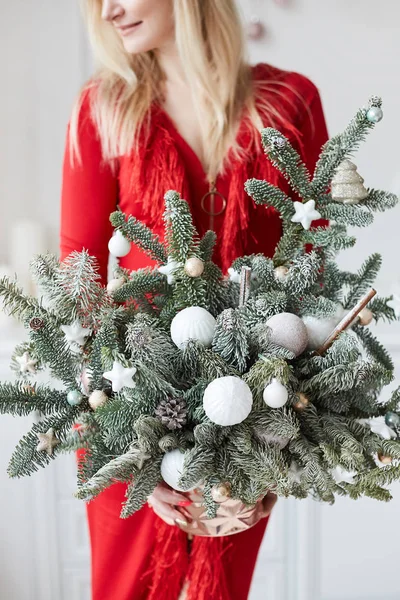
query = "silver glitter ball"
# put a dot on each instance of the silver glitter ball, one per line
(375, 114)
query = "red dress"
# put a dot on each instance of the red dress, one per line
(121, 549)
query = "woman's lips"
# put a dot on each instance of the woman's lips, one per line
(127, 29)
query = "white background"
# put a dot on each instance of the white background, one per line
(350, 49)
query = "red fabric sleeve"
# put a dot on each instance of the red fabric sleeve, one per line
(89, 194)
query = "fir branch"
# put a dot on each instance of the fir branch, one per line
(283, 156)
(374, 347)
(141, 282)
(302, 274)
(364, 279)
(121, 468)
(181, 235)
(264, 193)
(207, 244)
(15, 302)
(379, 200)
(25, 459)
(339, 147)
(347, 214)
(290, 243)
(332, 238)
(20, 399)
(141, 487)
(378, 306)
(137, 232)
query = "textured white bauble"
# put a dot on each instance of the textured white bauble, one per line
(119, 245)
(227, 400)
(319, 329)
(194, 267)
(275, 394)
(193, 323)
(97, 398)
(172, 469)
(114, 284)
(288, 331)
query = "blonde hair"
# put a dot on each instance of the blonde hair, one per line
(221, 82)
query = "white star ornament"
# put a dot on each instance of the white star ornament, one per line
(305, 213)
(120, 376)
(169, 269)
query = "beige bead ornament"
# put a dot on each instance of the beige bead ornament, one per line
(301, 403)
(194, 267)
(347, 184)
(386, 460)
(97, 398)
(221, 492)
(365, 317)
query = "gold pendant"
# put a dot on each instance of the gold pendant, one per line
(212, 193)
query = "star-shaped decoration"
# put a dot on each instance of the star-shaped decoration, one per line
(305, 213)
(295, 472)
(232, 516)
(395, 304)
(379, 427)
(75, 333)
(169, 269)
(26, 364)
(342, 476)
(120, 376)
(47, 441)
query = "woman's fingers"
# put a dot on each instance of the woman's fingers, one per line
(165, 494)
(168, 513)
(268, 503)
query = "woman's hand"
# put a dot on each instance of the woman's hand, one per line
(163, 501)
(268, 503)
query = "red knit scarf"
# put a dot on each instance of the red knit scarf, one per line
(159, 167)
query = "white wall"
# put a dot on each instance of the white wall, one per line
(350, 49)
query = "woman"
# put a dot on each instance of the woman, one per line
(174, 105)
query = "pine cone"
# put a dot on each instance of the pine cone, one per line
(36, 323)
(172, 413)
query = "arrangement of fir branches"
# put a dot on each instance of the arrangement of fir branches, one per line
(137, 381)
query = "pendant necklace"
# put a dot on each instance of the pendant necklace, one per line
(208, 203)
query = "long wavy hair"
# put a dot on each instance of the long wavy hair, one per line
(218, 74)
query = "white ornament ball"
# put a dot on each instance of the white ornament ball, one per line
(193, 323)
(319, 329)
(288, 331)
(227, 400)
(97, 398)
(194, 267)
(114, 284)
(275, 394)
(119, 245)
(172, 469)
